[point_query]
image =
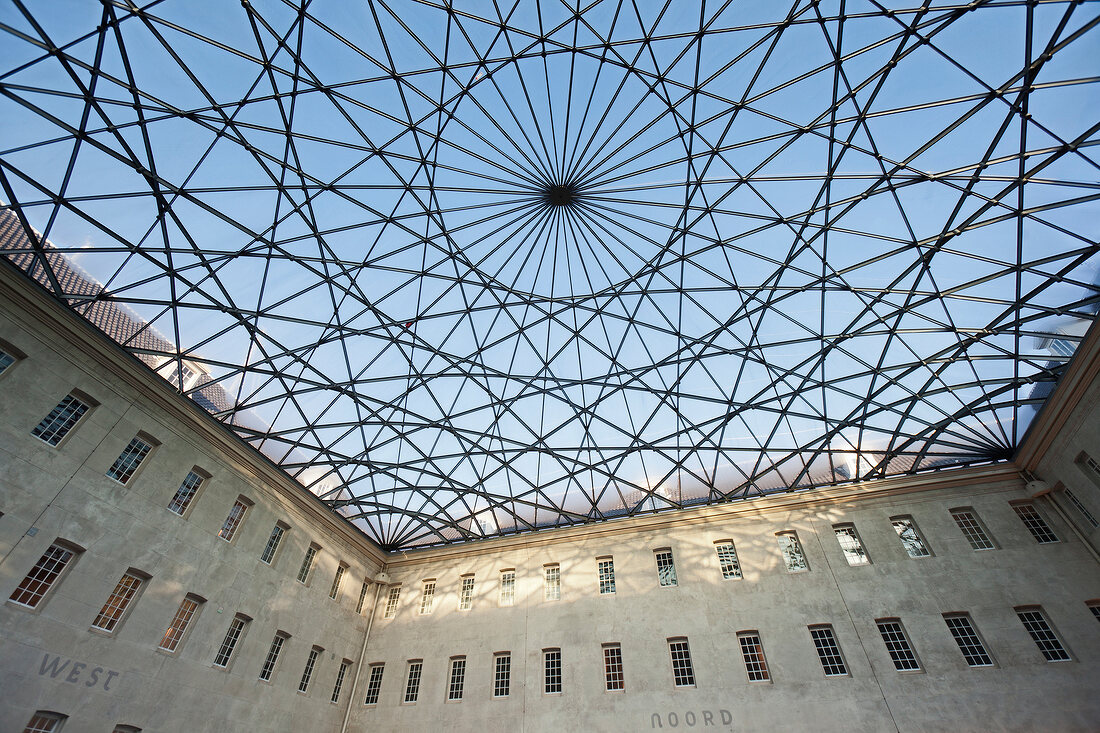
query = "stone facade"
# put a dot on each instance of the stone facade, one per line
(51, 659)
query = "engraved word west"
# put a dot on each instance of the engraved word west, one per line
(77, 672)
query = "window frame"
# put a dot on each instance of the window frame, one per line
(55, 719)
(362, 598)
(191, 615)
(552, 671)
(73, 551)
(899, 646)
(507, 595)
(309, 562)
(1037, 525)
(76, 395)
(682, 666)
(1047, 639)
(971, 630)
(973, 528)
(337, 581)
(427, 597)
(614, 674)
(338, 685)
(729, 563)
(1081, 508)
(126, 474)
(605, 576)
(466, 592)
(666, 572)
(16, 356)
(120, 602)
(188, 504)
(232, 524)
(309, 668)
(857, 556)
(1088, 466)
(274, 652)
(921, 539)
(393, 598)
(551, 582)
(374, 683)
(751, 645)
(414, 674)
(785, 553)
(228, 647)
(502, 675)
(456, 679)
(274, 542)
(829, 653)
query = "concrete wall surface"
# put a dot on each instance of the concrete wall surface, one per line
(52, 659)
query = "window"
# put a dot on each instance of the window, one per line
(362, 597)
(273, 541)
(232, 635)
(1090, 466)
(427, 597)
(466, 593)
(972, 528)
(910, 537)
(666, 568)
(129, 461)
(412, 684)
(45, 722)
(307, 673)
(186, 492)
(507, 587)
(272, 657)
(827, 651)
(458, 678)
(1035, 524)
(374, 684)
(1035, 621)
(234, 519)
(391, 601)
(551, 587)
(966, 636)
(502, 674)
(613, 668)
(683, 674)
(337, 579)
(1094, 606)
(727, 559)
(606, 569)
(185, 614)
(61, 420)
(307, 563)
(551, 671)
(752, 651)
(344, 665)
(850, 544)
(791, 550)
(897, 644)
(43, 575)
(6, 360)
(1081, 508)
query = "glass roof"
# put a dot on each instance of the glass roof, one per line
(472, 268)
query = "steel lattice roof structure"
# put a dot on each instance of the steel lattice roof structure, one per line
(472, 268)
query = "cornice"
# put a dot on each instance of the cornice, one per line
(1001, 475)
(61, 325)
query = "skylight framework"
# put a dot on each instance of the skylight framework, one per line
(468, 268)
